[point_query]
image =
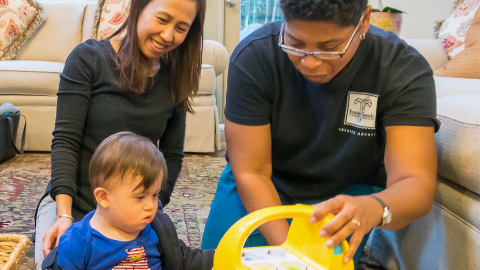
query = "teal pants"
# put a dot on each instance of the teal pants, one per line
(227, 208)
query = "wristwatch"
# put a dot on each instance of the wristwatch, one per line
(387, 215)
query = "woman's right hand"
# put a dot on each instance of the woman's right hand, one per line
(52, 236)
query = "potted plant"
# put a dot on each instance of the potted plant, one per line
(388, 18)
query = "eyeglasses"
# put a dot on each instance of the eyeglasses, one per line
(318, 55)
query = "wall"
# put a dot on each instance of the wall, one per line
(421, 17)
(213, 29)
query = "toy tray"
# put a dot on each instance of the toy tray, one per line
(273, 258)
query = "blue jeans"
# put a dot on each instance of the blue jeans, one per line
(227, 208)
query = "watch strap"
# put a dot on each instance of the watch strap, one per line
(386, 210)
(380, 201)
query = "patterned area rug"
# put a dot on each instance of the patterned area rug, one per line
(23, 181)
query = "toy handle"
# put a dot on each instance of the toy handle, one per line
(232, 242)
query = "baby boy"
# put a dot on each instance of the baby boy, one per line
(128, 230)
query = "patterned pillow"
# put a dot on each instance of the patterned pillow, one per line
(466, 64)
(19, 20)
(455, 28)
(438, 24)
(109, 16)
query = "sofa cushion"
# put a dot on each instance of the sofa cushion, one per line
(432, 50)
(216, 55)
(454, 29)
(441, 241)
(59, 35)
(459, 200)
(439, 24)
(201, 133)
(207, 80)
(40, 120)
(207, 100)
(30, 101)
(466, 64)
(448, 86)
(88, 20)
(458, 141)
(20, 20)
(35, 78)
(109, 16)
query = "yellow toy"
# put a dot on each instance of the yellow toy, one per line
(304, 249)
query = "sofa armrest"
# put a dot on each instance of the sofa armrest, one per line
(432, 50)
(448, 86)
(216, 55)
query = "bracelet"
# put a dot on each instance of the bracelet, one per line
(66, 216)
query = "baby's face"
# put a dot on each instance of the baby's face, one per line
(131, 210)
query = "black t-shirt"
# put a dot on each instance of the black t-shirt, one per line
(91, 107)
(328, 136)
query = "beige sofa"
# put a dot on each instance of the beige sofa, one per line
(449, 236)
(30, 82)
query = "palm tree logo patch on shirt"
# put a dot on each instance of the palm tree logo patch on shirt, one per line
(361, 110)
(136, 259)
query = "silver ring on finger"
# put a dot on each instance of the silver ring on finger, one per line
(356, 222)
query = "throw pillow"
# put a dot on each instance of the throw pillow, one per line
(466, 64)
(438, 24)
(455, 28)
(109, 16)
(19, 20)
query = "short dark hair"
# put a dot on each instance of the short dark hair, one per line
(343, 13)
(125, 153)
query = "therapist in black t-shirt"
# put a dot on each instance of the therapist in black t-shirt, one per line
(324, 108)
(140, 79)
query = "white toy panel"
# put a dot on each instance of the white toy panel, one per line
(273, 258)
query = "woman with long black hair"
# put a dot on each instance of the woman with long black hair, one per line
(140, 80)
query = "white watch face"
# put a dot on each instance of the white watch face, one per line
(387, 217)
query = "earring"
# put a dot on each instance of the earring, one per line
(362, 36)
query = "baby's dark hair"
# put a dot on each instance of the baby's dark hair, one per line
(343, 13)
(126, 153)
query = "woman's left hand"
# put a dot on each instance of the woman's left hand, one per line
(355, 216)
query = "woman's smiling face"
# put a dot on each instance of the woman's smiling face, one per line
(163, 25)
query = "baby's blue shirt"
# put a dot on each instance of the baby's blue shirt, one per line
(82, 247)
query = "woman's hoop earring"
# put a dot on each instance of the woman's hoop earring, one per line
(362, 36)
